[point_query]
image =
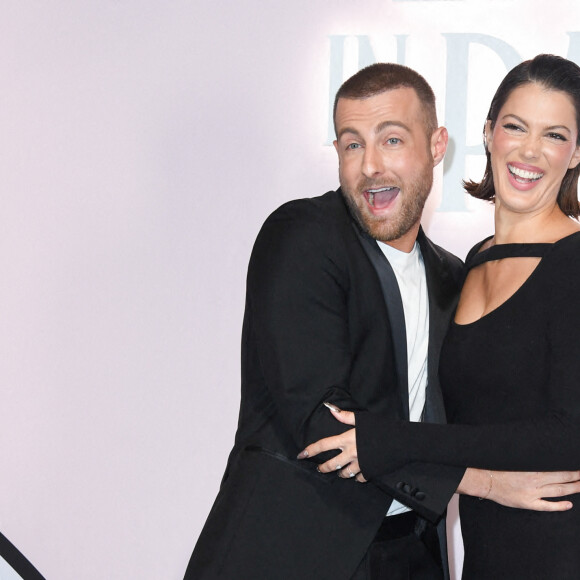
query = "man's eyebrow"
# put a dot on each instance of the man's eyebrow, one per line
(346, 130)
(386, 124)
(378, 129)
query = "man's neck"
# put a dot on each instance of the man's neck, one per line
(406, 242)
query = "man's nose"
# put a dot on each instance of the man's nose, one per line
(373, 164)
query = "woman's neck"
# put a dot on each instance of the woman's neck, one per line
(528, 228)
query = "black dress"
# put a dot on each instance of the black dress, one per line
(511, 383)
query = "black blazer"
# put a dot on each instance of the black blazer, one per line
(321, 324)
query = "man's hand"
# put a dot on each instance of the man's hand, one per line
(525, 490)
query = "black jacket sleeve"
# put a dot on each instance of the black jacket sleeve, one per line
(296, 307)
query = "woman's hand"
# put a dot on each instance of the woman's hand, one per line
(346, 462)
(518, 489)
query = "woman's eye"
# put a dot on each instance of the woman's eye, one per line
(512, 127)
(557, 136)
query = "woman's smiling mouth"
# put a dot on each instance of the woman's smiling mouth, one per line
(523, 176)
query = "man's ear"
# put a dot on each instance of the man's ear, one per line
(335, 143)
(439, 141)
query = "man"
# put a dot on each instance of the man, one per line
(334, 316)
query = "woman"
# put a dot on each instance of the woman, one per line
(510, 365)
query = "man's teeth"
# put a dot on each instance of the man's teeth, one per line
(523, 174)
(372, 192)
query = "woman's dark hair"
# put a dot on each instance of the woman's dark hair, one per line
(552, 73)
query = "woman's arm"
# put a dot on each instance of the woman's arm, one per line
(524, 490)
(548, 442)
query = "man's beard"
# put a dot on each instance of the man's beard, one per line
(387, 228)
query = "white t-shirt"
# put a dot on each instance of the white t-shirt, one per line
(410, 273)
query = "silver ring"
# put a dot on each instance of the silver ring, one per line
(350, 473)
(338, 467)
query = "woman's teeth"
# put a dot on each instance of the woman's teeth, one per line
(524, 176)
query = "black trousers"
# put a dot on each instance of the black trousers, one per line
(406, 547)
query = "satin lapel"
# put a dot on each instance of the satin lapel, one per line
(442, 301)
(396, 314)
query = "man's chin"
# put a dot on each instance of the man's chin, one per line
(388, 230)
(378, 229)
(379, 224)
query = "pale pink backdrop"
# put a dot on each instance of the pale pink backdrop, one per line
(142, 143)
